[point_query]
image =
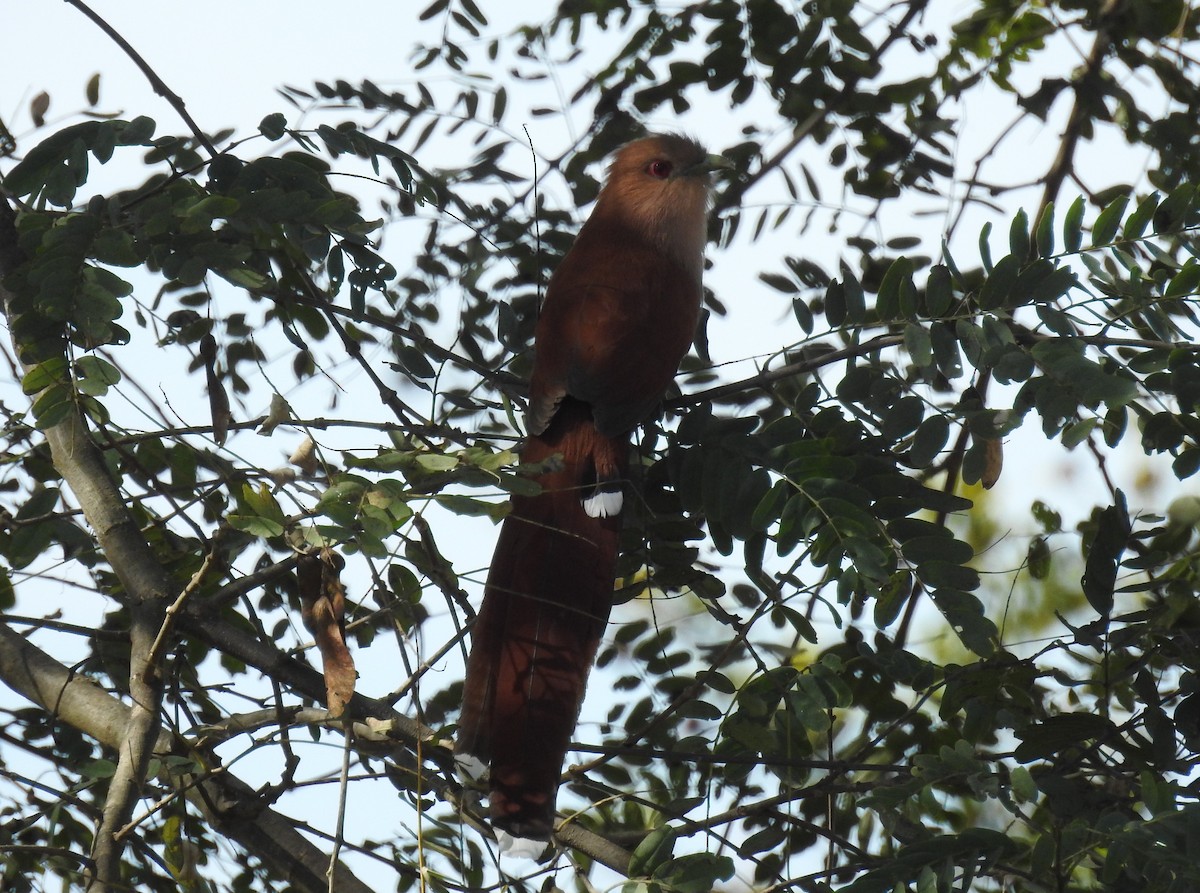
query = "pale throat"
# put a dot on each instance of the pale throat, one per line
(678, 227)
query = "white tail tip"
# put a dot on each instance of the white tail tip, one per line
(604, 504)
(520, 847)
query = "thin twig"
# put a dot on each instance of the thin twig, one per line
(156, 82)
(769, 376)
(339, 834)
(154, 656)
(167, 799)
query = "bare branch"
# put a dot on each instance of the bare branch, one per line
(156, 82)
(226, 802)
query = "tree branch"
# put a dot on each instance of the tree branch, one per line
(81, 464)
(227, 803)
(305, 680)
(1084, 87)
(156, 82)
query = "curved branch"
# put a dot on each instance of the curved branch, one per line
(156, 82)
(226, 802)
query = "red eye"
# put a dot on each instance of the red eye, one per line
(659, 169)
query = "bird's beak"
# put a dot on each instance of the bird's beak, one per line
(710, 164)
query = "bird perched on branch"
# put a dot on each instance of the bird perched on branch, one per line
(620, 313)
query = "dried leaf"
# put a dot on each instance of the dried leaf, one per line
(322, 607)
(282, 475)
(305, 456)
(280, 412)
(38, 108)
(993, 451)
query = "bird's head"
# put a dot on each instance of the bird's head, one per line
(660, 186)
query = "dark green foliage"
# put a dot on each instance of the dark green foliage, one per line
(832, 648)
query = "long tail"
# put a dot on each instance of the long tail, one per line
(545, 606)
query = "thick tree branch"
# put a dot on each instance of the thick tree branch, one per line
(228, 804)
(415, 737)
(81, 464)
(1082, 110)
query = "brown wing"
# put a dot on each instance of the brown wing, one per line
(614, 327)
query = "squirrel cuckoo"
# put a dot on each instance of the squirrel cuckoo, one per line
(620, 312)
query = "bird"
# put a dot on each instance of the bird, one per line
(620, 313)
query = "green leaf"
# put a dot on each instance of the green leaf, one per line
(437, 462)
(695, 873)
(985, 248)
(138, 131)
(835, 304)
(1055, 286)
(1038, 558)
(53, 155)
(259, 514)
(53, 406)
(1136, 225)
(856, 303)
(273, 126)
(97, 769)
(30, 541)
(656, 848)
(1018, 236)
(434, 9)
(256, 525)
(473, 11)
(779, 282)
(1073, 225)
(770, 838)
(1185, 282)
(771, 505)
(1024, 788)
(470, 507)
(964, 613)
(939, 291)
(803, 315)
(893, 596)
(931, 436)
(1044, 233)
(1109, 221)
(903, 418)
(999, 283)
(887, 303)
(945, 548)
(243, 277)
(95, 375)
(945, 350)
(1077, 432)
(918, 344)
(1175, 209)
(44, 374)
(1187, 463)
(944, 574)
(1066, 731)
(1104, 556)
